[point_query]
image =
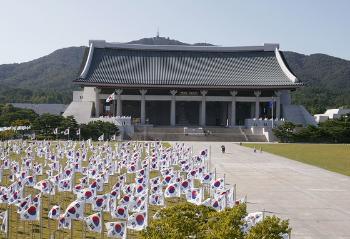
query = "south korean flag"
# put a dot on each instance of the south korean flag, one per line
(100, 202)
(64, 222)
(218, 184)
(207, 178)
(65, 185)
(94, 222)
(121, 212)
(31, 213)
(116, 229)
(75, 210)
(137, 221)
(186, 185)
(195, 196)
(156, 199)
(54, 212)
(172, 190)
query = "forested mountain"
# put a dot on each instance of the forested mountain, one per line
(49, 78)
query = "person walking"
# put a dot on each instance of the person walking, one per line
(223, 148)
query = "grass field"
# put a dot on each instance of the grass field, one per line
(333, 157)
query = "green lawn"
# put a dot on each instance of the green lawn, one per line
(333, 157)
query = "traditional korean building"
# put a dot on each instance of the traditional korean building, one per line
(186, 85)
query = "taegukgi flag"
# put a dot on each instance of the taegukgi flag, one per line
(110, 98)
(116, 229)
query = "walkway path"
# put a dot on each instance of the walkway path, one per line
(316, 201)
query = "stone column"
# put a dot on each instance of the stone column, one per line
(278, 104)
(233, 108)
(257, 93)
(119, 102)
(143, 106)
(97, 102)
(173, 108)
(202, 113)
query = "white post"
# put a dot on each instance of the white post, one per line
(273, 104)
(202, 109)
(119, 102)
(173, 108)
(257, 104)
(97, 102)
(233, 108)
(143, 106)
(278, 104)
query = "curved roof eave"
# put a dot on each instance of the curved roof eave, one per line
(289, 86)
(284, 67)
(88, 61)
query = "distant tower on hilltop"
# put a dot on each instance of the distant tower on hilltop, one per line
(157, 32)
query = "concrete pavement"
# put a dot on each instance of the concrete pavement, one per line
(316, 201)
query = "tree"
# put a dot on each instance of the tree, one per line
(226, 224)
(270, 228)
(285, 132)
(46, 123)
(20, 122)
(184, 220)
(95, 129)
(8, 114)
(69, 123)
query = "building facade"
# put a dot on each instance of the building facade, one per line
(185, 85)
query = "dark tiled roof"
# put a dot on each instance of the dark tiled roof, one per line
(184, 68)
(55, 109)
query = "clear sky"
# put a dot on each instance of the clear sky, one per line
(34, 28)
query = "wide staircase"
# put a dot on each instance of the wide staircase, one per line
(236, 134)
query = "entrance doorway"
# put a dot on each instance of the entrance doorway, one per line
(187, 113)
(243, 111)
(158, 112)
(216, 113)
(133, 109)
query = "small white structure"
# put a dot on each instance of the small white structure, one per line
(331, 114)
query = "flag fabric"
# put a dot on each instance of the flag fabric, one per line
(114, 137)
(24, 203)
(101, 138)
(31, 213)
(218, 184)
(75, 210)
(110, 98)
(207, 178)
(65, 185)
(116, 229)
(64, 222)
(54, 212)
(94, 222)
(251, 220)
(45, 187)
(137, 221)
(156, 199)
(172, 190)
(195, 196)
(3, 221)
(66, 132)
(86, 194)
(121, 212)
(100, 202)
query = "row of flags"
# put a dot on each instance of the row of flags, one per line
(65, 132)
(78, 131)
(178, 173)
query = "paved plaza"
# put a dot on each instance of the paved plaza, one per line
(316, 201)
